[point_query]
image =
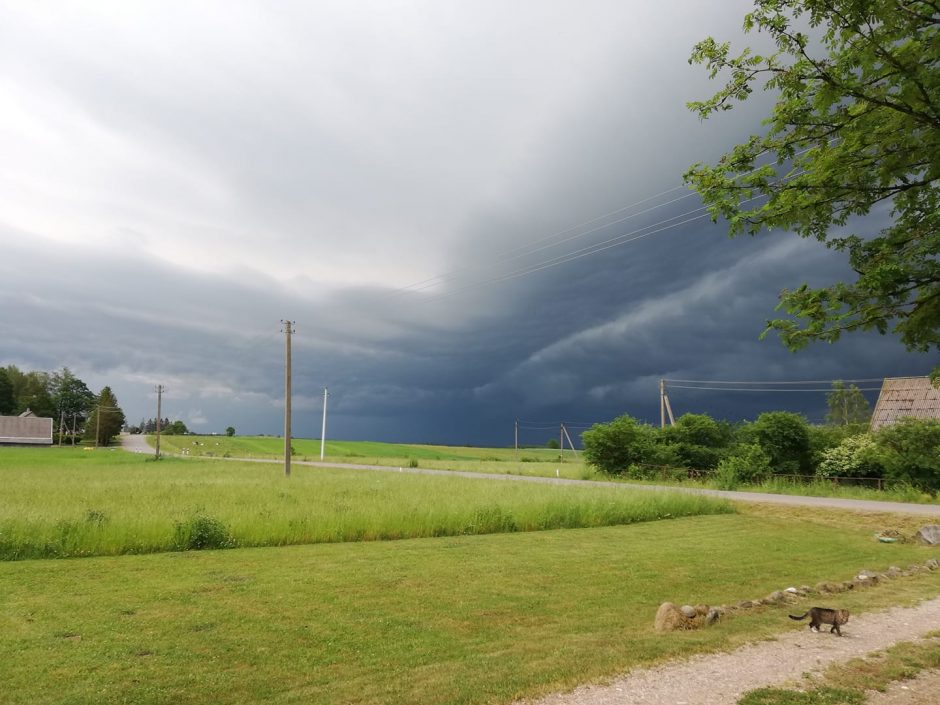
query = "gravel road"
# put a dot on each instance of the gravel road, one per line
(720, 679)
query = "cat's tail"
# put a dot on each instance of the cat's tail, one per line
(802, 616)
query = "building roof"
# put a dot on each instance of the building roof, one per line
(28, 430)
(905, 396)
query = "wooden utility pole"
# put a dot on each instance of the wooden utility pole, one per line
(61, 425)
(97, 422)
(517, 437)
(74, 426)
(159, 411)
(326, 393)
(561, 442)
(288, 330)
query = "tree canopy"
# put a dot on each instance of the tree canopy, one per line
(31, 391)
(70, 395)
(105, 418)
(847, 405)
(7, 399)
(853, 142)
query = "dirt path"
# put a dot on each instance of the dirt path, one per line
(720, 679)
(135, 443)
(922, 690)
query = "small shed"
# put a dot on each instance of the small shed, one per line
(901, 397)
(27, 429)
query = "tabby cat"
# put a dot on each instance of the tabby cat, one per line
(825, 615)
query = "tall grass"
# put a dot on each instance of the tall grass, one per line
(64, 503)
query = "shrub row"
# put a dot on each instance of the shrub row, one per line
(778, 442)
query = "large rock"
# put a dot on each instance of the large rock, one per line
(929, 534)
(688, 611)
(669, 618)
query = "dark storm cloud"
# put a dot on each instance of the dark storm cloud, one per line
(178, 180)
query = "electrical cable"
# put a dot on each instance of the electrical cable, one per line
(539, 245)
(807, 381)
(767, 389)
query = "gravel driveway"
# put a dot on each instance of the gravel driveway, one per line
(720, 679)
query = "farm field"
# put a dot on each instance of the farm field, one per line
(541, 462)
(468, 619)
(527, 461)
(58, 503)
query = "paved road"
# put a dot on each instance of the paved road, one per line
(139, 444)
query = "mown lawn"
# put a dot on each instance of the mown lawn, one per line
(468, 619)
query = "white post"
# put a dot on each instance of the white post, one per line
(323, 429)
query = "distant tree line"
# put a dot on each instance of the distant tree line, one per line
(170, 428)
(776, 443)
(78, 414)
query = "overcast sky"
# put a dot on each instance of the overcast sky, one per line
(473, 211)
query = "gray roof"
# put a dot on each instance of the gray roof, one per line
(905, 396)
(31, 430)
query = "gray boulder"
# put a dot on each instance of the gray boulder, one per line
(929, 534)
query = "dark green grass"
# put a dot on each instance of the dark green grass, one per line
(481, 619)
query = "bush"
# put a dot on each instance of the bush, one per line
(784, 438)
(855, 456)
(176, 428)
(910, 452)
(700, 441)
(746, 464)
(201, 532)
(613, 447)
(824, 438)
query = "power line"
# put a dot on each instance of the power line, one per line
(577, 254)
(540, 245)
(805, 381)
(521, 250)
(616, 241)
(765, 389)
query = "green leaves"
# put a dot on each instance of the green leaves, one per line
(856, 125)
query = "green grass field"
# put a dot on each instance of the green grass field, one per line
(273, 447)
(470, 619)
(464, 618)
(541, 462)
(69, 503)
